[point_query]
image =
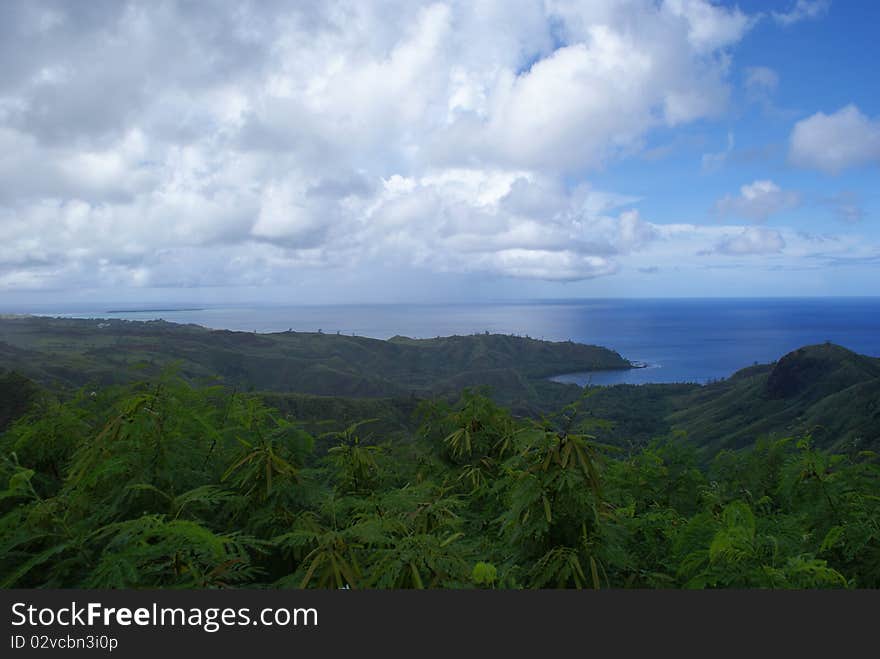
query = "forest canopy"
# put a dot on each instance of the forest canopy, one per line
(164, 484)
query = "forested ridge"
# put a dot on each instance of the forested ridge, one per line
(70, 352)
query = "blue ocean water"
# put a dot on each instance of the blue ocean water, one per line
(682, 340)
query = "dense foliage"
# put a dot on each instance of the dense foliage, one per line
(172, 486)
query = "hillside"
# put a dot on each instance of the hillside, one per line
(823, 390)
(75, 352)
(118, 485)
(826, 391)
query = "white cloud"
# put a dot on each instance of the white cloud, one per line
(174, 144)
(513, 224)
(711, 26)
(689, 247)
(757, 201)
(556, 265)
(834, 142)
(802, 10)
(751, 240)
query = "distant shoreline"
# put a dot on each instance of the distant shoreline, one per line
(693, 340)
(154, 310)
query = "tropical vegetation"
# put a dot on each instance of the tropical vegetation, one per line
(167, 484)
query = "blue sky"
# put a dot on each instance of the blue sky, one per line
(821, 65)
(433, 151)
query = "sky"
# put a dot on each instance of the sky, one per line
(363, 151)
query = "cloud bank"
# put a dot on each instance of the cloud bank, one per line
(179, 144)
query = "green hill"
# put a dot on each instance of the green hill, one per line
(824, 390)
(76, 352)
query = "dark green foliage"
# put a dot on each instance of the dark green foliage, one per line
(166, 485)
(17, 395)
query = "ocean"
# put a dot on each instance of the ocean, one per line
(680, 340)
